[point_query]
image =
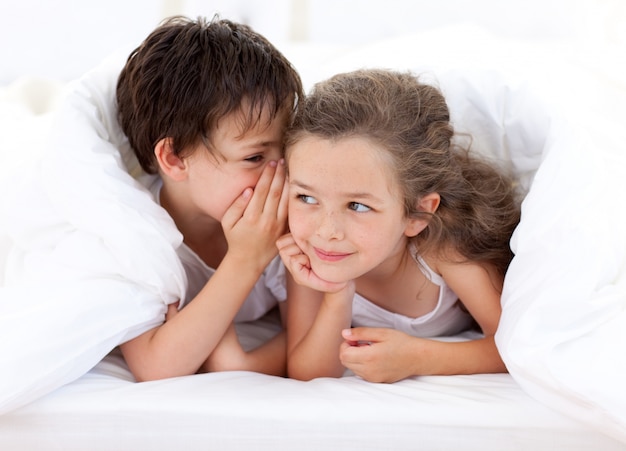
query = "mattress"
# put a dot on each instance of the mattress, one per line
(105, 409)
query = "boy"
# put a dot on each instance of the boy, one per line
(215, 98)
(100, 256)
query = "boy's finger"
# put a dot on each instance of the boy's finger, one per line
(275, 201)
(236, 210)
(262, 188)
(283, 205)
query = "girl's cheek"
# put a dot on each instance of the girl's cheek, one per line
(296, 230)
(299, 227)
(295, 216)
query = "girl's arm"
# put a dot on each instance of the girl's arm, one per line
(181, 345)
(392, 355)
(479, 287)
(317, 312)
(314, 324)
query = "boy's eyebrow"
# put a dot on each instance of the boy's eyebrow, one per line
(270, 142)
(264, 143)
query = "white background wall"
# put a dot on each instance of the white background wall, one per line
(61, 39)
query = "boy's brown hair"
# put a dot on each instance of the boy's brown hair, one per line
(189, 74)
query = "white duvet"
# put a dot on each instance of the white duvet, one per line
(91, 259)
(552, 113)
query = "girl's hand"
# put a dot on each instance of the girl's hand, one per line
(377, 354)
(258, 217)
(299, 265)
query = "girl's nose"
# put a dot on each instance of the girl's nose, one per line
(329, 227)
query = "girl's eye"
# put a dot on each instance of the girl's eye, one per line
(359, 208)
(307, 199)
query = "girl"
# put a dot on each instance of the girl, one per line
(394, 232)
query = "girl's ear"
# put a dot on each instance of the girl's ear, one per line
(171, 165)
(428, 204)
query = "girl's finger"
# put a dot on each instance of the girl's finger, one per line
(284, 241)
(363, 335)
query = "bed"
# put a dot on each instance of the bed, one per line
(552, 113)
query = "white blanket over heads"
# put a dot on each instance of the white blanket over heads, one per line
(563, 329)
(91, 257)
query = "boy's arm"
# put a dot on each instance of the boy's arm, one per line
(267, 358)
(251, 225)
(180, 346)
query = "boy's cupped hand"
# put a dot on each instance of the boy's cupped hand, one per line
(258, 217)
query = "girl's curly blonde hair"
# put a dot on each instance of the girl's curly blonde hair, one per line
(479, 207)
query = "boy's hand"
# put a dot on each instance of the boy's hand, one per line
(299, 265)
(258, 217)
(228, 355)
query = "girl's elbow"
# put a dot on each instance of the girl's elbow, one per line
(149, 373)
(297, 373)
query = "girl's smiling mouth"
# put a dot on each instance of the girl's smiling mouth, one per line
(330, 256)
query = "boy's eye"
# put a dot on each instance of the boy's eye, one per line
(307, 199)
(255, 158)
(358, 207)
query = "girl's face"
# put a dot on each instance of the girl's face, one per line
(346, 211)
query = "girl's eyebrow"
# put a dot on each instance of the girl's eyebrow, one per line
(354, 195)
(300, 184)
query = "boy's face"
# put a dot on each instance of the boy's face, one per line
(218, 177)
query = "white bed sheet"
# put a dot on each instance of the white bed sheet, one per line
(106, 410)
